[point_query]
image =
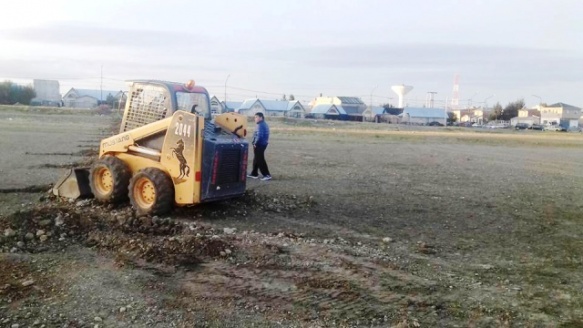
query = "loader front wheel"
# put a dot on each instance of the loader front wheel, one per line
(109, 180)
(151, 192)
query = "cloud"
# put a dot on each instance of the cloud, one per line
(486, 63)
(76, 34)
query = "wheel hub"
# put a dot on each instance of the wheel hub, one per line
(145, 192)
(104, 180)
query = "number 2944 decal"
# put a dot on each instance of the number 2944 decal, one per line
(183, 130)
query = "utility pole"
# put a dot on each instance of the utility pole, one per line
(227, 79)
(101, 85)
(430, 100)
(371, 112)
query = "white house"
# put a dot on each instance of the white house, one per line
(562, 114)
(351, 105)
(219, 107)
(528, 116)
(281, 108)
(328, 111)
(85, 98)
(216, 105)
(474, 115)
(370, 114)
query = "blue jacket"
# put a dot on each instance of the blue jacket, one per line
(261, 134)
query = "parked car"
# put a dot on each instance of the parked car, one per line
(536, 127)
(553, 127)
(521, 126)
(435, 123)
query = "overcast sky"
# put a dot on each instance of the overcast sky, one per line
(503, 50)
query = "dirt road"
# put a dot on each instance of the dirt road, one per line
(363, 225)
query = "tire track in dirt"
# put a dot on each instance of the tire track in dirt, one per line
(310, 280)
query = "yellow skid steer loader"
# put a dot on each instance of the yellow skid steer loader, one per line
(169, 151)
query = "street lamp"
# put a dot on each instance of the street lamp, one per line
(540, 100)
(227, 79)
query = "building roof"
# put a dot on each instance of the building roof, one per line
(351, 100)
(293, 103)
(271, 105)
(425, 112)
(563, 106)
(275, 105)
(341, 110)
(328, 109)
(320, 109)
(248, 103)
(97, 94)
(376, 110)
(233, 104)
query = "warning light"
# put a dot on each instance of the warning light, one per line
(189, 85)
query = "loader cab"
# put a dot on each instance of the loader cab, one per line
(150, 101)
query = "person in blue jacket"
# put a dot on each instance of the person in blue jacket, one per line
(260, 142)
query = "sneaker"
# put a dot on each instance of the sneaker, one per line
(266, 178)
(252, 176)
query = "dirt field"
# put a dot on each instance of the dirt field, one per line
(363, 225)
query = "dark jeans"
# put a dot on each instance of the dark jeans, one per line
(259, 162)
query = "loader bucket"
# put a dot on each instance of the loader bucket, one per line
(74, 184)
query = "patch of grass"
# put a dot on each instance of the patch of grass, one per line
(46, 110)
(577, 323)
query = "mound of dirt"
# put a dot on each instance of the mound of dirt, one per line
(55, 226)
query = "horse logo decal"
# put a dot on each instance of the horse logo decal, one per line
(178, 151)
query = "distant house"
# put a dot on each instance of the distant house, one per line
(328, 111)
(564, 115)
(85, 98)
(231, 106)
(424, 115)
(353, 106)
(370, 113)
(216, 106)
(282, 108)
(219, 107)
(528, 116)
(47, 93)
(380, 115)
(473, 115)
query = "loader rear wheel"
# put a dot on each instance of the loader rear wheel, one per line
(109, 180)
(151, 192)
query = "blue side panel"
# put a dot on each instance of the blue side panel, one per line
(224, 167)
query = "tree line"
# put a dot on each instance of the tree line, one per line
(12, 93)
(508, 112)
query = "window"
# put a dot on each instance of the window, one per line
(193, 102)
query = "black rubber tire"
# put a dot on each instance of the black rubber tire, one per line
(120, 176)
(163, 189)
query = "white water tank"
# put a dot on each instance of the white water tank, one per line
(401, 91)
